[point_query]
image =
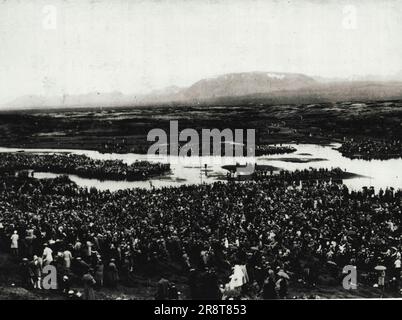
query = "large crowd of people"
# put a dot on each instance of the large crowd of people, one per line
(81, 165)
(271, 232)
(121, 146)
(322, 174)
(372, 149)
(269, 149)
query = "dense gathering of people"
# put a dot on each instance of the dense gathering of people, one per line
(369, 149)
(121, 146)
(269, 149)
(82, 166)
(236, 239)
(334, 174)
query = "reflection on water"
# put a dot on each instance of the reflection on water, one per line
(112, 185)
(377, 173)
(194, 170)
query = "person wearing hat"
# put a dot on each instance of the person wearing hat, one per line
(47, 255)
(112, 274)
(25, 273)
(80, 267)
(89, 283)
(99, 273)
(14, 243)
(36, 271)
(87, 251)
(381, 279)
(65, 284)
(29, 242)
(282, 285)
(67, 256)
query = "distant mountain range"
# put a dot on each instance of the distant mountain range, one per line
(236, 88)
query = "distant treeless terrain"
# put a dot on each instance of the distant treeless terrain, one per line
(125, 129)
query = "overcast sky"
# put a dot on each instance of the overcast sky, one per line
(79, 46)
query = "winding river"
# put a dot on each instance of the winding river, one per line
(195, 170)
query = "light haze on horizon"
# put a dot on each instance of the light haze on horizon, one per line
(69, 47)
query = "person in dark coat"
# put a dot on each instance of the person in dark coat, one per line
(209, 286)
(112, 274)
(162, 292)
(65, 284)
(99, 268)
(268, 290)
(80, 267)
(26, 274)
(89, 283)
(282, 286)
(193, 284)
(173, 293)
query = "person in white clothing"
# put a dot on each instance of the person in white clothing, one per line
(14, 243)
(47, 255)
(239, 277)
(397, 265)
(67, 258)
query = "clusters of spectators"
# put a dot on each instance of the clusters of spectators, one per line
(268, 149)
(334, 174)
(117, 146)
(372, 149)
(114, 146)
(82, 166)
(121, 146)
(275, 231)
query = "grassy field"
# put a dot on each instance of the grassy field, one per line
(125, 129)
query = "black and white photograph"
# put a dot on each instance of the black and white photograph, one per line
(176, 150)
